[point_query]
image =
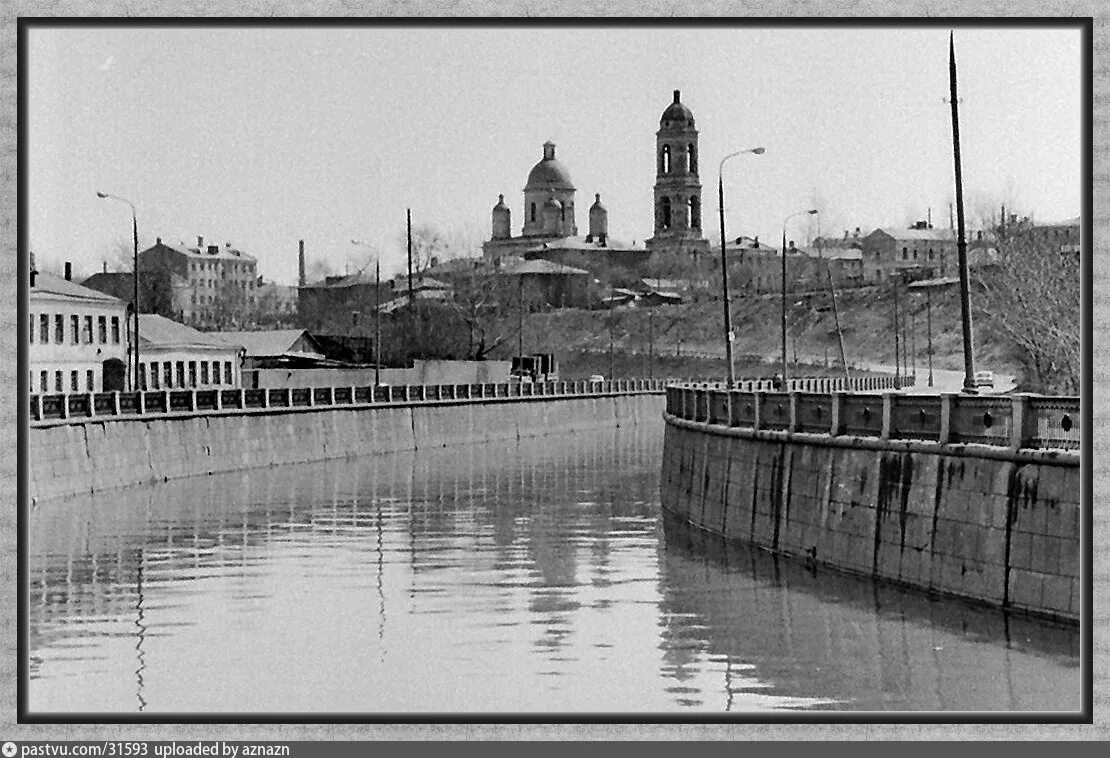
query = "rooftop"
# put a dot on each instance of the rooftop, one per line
(159, 331)
(48, 284)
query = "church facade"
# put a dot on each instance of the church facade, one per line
(550, 228)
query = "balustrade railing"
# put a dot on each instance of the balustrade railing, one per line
(1010, 421)
(113, 404)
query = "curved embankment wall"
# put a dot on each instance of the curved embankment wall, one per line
(981, 524)
(95, 454)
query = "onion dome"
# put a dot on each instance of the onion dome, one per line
(549, 174)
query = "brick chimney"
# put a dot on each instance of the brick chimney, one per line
(69, 271)
(105, 265)
(200, 241)
(300, 265)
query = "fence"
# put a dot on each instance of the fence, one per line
(78, 406)
(1015, 421)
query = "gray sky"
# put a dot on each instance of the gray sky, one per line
(261, 137)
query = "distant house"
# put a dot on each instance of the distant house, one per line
(275, 304)
(276, 348)
(555, 284)
(175, 356)
(922, 251)
(79, 337)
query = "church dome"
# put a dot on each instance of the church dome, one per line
(677, 114)
(549, 173)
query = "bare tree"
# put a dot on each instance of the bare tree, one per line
(1031, 299)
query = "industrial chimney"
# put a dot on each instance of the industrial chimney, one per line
(69, 271)
(300, 264)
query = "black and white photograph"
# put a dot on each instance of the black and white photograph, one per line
(553, 371)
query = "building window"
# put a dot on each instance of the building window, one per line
(930, 253)
(44, 381)
(31, 334)
(154, 383)
(181, 373)
(74, 386)
(75, 329)
(58, 381)
(665, 213)
(192, 373)
(59, 330)
(204, 372)
(692, 151)
(532, 213)
(215, 372)
(167, 374)
(115, 330)
(915, 253)
(665, 159)
(88, 330)
(89, 380)
(102, 329)
(695, 212)
(44, 329)
(142, 376)
(227, 372)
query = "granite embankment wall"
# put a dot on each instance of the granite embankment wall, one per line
(989, 522)
(81, 454)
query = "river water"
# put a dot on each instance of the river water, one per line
(500, 578)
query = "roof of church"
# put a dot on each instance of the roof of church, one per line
(677, 114)
(549, 173)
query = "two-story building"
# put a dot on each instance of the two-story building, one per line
(79, 337)
(921, 250)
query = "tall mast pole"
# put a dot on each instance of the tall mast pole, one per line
(961, 244)
(408, 220)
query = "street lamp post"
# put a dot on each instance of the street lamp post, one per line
(810, 212)
(135, 276)
(724, 259)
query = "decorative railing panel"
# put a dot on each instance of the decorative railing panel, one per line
(1012, 421)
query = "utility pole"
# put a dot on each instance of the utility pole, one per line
(408, 219)
(836, 319)
(961, 243)
(610, 335)
(651, 341)
(897, 372)
(929, 328)
(520, 322)
(377, 323)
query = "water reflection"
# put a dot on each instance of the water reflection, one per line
(856, 643)
(505, 577)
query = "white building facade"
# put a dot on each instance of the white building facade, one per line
(78, 338)
(174, 356)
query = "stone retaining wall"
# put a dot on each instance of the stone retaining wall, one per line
(102, 453)
(980, 522)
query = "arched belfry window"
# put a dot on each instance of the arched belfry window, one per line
(695, 212)
(532, 213)
(665, 160)
(692, 152)
(665, 213)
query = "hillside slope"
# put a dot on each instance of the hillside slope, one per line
(866, 318)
